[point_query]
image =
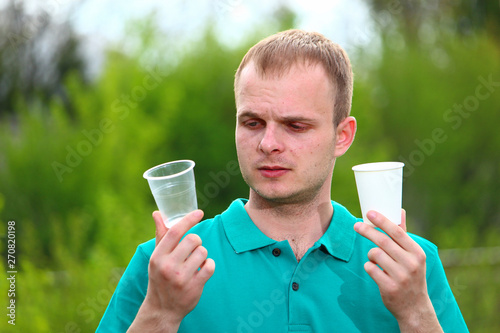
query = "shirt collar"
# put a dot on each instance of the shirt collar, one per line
(339, 238)
(243, 234)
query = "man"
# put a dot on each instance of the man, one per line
(288, 259)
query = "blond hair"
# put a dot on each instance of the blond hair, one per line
(276, 54)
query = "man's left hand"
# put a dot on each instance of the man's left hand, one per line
(398, 267)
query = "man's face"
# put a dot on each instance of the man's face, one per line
(285, 136)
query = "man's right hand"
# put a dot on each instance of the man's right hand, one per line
(178, 271)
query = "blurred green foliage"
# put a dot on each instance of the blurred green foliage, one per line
(73, 181)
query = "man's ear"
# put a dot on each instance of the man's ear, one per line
(346, 131)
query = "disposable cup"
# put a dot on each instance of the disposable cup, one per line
(380, 187)
(173, 188)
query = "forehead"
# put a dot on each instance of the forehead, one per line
(302, 87)
(253, 72)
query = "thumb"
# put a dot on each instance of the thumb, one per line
(161, 229)
(403, 220)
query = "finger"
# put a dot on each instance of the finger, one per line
(206, 271)
(393, 230)
(185, 248)
(379, 257)
(383, 241)
(161, 229)
(377, 274)
(177, 231)
(195, 260)
(403, 220)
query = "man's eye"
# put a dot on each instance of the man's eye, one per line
(297, 127)
(252, 124)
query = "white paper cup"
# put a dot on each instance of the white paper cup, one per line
(380, 188)
(173, 188)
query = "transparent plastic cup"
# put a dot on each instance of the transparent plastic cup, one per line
(380, 188)
(173, 188)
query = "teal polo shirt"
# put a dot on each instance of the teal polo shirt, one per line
(258, 285)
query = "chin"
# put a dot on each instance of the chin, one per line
(279, 197)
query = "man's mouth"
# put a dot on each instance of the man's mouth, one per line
(272, 171)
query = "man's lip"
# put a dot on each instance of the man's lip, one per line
(272, 171)
(272, 167)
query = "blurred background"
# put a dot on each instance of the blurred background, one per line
(93, 93)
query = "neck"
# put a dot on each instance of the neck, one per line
(302, 224)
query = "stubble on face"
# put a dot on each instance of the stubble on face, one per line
(303, 92)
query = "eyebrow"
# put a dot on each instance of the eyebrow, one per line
(247, 114)
(289, 119)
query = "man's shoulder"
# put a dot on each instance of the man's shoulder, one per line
(425, 244)
(147, 248)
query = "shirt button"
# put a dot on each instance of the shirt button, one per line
(295, 286)
(276, 252)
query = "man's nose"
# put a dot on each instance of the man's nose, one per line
(272, 141)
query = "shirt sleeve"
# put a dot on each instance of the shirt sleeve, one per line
(442, 297)
(129, 294)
